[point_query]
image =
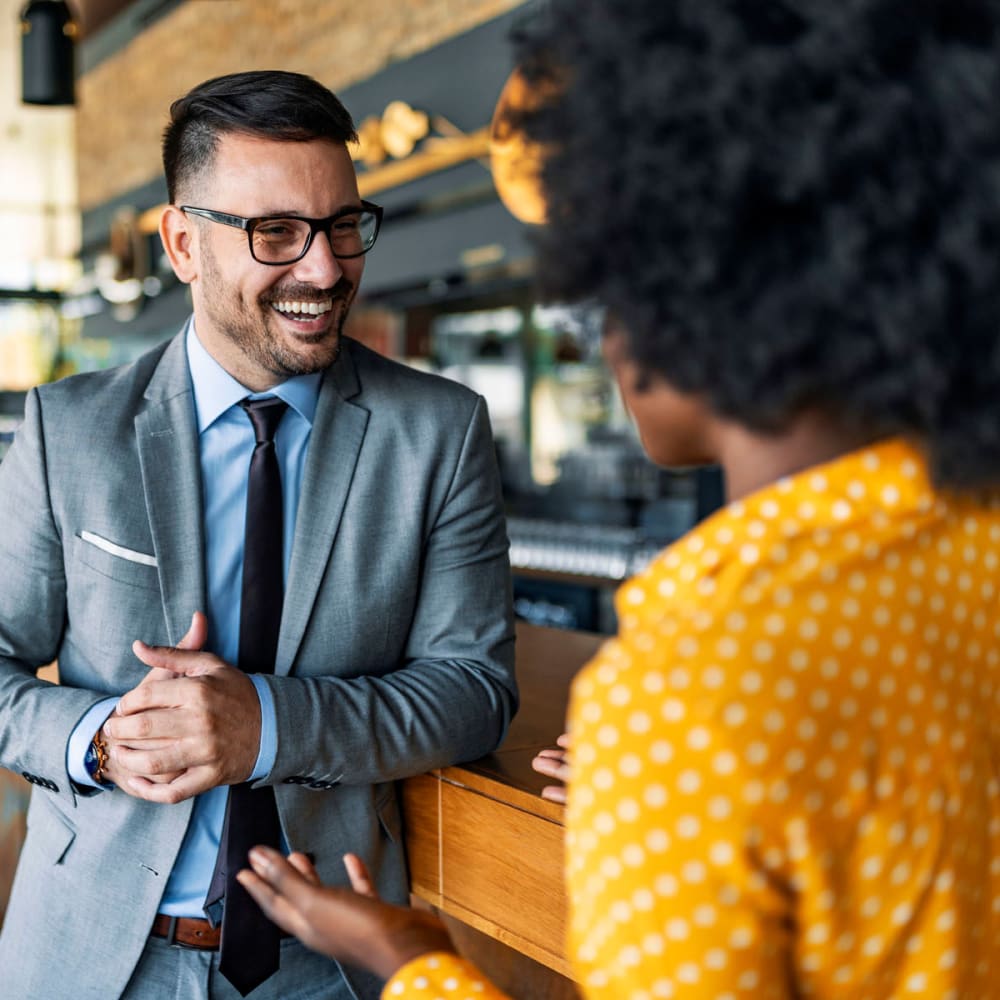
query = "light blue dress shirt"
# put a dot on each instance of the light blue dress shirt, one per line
(226, 442)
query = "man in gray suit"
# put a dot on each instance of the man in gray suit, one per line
(122, 504)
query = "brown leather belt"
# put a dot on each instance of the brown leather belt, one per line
(188, 932)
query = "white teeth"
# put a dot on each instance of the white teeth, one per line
(308, 308)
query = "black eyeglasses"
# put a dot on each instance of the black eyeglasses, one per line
(284, 239)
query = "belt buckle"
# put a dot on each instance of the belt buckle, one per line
(171, 937)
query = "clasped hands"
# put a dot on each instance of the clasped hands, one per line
(192, 723)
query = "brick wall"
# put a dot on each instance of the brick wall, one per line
(123, 101)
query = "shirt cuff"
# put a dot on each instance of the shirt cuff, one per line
(268, 730)
(81, 738)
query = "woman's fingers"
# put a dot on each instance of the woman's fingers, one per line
(555, 763)
(301, 863)
(276, 907)
(281, 876)
(552, 766)
(555, 793)
(361, 880)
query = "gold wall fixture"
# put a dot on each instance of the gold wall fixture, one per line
(394, 134)
(404, 144)
(434, 157)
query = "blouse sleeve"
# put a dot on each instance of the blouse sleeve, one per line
(440, 974)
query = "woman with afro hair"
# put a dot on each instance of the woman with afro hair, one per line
(786, 766)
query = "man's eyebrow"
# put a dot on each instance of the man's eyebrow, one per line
(294, 214)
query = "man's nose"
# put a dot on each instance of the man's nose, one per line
(319, 266)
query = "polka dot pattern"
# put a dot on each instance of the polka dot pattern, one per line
(825, 737)
(797, 727)
(440, 976)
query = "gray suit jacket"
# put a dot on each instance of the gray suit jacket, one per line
(395, 654)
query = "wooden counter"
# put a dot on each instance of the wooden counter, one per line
(483, 846)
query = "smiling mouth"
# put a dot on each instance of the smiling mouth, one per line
(294, 309)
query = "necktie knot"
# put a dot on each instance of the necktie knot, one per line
(265, 415)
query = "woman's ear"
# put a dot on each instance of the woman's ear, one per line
(180, 243)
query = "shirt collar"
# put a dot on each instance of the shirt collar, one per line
(854, 503)
(215, 390)
(856, 491)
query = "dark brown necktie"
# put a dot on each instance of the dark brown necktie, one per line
(250, 942)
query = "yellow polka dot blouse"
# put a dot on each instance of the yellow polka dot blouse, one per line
(786, 768)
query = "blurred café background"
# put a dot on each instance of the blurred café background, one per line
(84, 283)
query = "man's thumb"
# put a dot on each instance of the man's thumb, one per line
(197, 635)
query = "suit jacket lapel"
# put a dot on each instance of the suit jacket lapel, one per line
(334, 445)
(167, 437)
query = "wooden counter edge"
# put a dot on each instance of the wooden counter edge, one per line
(528, 802)
(524, 945)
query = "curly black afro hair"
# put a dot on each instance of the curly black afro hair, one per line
(788, 204)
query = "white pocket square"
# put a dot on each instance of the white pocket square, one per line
(117, 550)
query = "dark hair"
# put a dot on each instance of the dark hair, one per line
(272, 104)
(787, 204)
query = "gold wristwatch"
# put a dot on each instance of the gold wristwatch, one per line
(96, 760)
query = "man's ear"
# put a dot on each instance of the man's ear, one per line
(180, 243)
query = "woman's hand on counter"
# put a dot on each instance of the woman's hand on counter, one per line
(554, 764)
(349, 925)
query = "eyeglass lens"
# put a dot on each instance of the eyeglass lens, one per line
(279, 241)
